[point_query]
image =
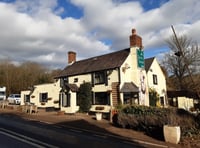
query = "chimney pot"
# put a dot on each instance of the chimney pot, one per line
(134, 31)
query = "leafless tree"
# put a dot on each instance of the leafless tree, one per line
(18, 78)
(177, 62)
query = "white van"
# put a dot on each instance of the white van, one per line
(14, 99)
(2, 93)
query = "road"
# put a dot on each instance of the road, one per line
(17, 132)
(10, 139)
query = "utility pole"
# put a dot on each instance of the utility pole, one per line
(180, 53)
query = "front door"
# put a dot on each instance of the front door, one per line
(65, 99)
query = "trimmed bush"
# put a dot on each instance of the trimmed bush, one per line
(151, 120)
(85, 97)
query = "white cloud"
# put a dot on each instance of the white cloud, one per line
(33, 30)
(108, 20)
(155, 25)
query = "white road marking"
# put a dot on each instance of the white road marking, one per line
(74, 130)
(150, 143)
(101, 136)
(25, 139)
(57, 126)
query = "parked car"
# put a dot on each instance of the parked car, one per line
(14, 99)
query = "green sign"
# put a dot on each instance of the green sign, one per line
(140, 58)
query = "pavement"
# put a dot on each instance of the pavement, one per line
(88, 123)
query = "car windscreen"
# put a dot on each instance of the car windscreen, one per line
(17, 96)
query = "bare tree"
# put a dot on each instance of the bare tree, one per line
(179, 63)
(18, 78)
(7, 74)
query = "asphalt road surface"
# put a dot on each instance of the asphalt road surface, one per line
(16, 132)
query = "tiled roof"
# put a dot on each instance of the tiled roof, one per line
(72, 87)
(129, 87)
(148, 63)
(103, 62)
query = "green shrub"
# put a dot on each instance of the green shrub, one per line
(84, 97)
(152, 119)
(153, 97)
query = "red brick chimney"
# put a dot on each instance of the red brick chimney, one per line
(71, 57)
(135, 40)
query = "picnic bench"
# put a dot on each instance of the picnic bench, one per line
(29, 108)
(4, 103)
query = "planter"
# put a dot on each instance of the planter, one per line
(172, 134)
(99, 108)
(49, 99)
(43, 103)
(98, 116)
(61, 113)
(56, 101)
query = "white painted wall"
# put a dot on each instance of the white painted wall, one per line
(161, 87)
(131, 73)
(73, 108)
(81, 79)
(52, 89)
(23, 94)
(185, 103)
(112, 77)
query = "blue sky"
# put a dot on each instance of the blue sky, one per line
(77, 12)
(45, 30)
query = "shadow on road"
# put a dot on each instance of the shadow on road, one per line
(91, 128)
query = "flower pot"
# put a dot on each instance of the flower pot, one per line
(98, 116)
(43, 103)
(172, 134)
(60, 112)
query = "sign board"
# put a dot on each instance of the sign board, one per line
(140, 58)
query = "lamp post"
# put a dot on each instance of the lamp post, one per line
(180, 53)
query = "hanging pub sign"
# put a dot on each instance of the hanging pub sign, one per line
(140, 58)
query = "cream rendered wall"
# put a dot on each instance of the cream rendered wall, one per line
(130, 72)
(185, 103)
(81, 79)
(73, 107)
(161, 87)
(112, 77)
(23, 93)
(52, 89)
(73, 104)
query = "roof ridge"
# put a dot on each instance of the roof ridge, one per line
(102, 55)
(107, 61)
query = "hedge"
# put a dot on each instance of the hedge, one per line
(151, 120)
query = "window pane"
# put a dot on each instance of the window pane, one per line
(27, 98)
(130, 98)
(155, 81)
(102, 98)
(99, 77)
(2, 93)
(43, 97)
(75, 80)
